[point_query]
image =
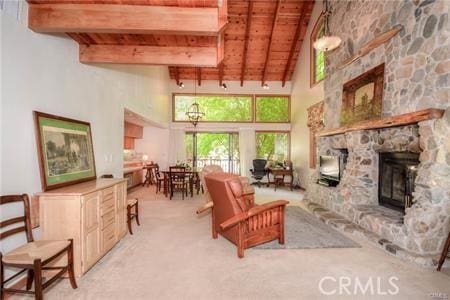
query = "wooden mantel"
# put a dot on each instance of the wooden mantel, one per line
(394, 121)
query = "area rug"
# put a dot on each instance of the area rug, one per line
(305, 231)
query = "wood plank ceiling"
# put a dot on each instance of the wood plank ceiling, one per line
(261, 41)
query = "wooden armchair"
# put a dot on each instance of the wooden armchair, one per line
(237, 218)
(33, 257)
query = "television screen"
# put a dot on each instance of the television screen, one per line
(329, 167)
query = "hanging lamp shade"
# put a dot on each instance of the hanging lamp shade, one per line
(327, 42)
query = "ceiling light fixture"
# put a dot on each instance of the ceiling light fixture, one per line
(266, 86)
(194, 113)
(327, 42)
(224, 86)
(180, 85)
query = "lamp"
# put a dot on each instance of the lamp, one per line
(144, 159)
(327, 42)
(266, 86)
(181, 85)
(194, 114)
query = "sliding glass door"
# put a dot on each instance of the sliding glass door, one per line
(213, 148)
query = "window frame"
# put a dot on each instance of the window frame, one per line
(312, 62)
(194, 136)
(252, 106)
(271, 95)
(288, 132)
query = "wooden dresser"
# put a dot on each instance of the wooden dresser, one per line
(93, 213)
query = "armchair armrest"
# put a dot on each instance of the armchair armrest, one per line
(205, 207)
(252, 212)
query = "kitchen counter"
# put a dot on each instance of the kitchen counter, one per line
(131, 169)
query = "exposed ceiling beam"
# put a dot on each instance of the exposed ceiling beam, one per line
(221, 74)
(275, 19)
(152, 55)
(247, 38)
(299, 34)
(120, 18)
(177, 76)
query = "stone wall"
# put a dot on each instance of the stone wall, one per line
(417, 67)
(416, 61)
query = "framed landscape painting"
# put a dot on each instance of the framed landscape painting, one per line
(65, 151)
(363, 96)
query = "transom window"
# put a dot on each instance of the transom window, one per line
(217, 108)
(272, 109)
(317, 57)
(234, 108)
(273, 145)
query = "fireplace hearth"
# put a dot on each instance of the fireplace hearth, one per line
(397, 174)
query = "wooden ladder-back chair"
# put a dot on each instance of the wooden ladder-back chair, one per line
(34, 256)
(445, 253)
(178, 181)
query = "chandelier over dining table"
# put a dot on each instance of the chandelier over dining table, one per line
(194, 113)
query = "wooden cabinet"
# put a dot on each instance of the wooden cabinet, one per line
(128, 143)
(92, 213)
(134, 131)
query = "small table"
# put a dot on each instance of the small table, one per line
(193, 172)
(280, 172)
(149, 180)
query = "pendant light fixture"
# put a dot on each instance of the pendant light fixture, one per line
(327, 42)
(194, 113)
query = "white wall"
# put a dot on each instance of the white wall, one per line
(303, 96)
(155, 143)
(42, 72)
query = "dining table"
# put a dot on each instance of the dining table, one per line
(194, 179)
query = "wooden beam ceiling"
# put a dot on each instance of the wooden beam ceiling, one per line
(221, 66)
(247, 35)
(254, 39)
(269, 48)
(177, 76)
(149, 55)
(299, 34)
(120, 18)
(249, 66)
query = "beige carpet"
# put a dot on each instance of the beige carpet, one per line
(172, 256)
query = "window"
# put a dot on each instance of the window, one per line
(317, 57)
(273, 145)
(217, 108)
(272, 109)
(213, 148)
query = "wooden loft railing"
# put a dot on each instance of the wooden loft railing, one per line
(394, 121)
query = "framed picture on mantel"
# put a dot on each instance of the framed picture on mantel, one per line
(362, 97)
(65, 150)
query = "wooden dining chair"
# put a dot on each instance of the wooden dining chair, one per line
(159, 178)
(33, 257)
(445, 253)
(178, 181)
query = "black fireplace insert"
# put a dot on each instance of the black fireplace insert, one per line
(397, 174)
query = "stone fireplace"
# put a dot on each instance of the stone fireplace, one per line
(416, 77)
(418, 152)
